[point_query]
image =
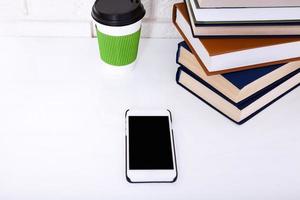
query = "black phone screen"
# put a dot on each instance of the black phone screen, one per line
(150, 143)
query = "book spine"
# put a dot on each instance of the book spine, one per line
(178, 73)
(180, 69)
(178, 53)
(174, 17)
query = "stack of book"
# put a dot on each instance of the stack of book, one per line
(238, 56)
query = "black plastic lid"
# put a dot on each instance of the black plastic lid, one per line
(118, 12)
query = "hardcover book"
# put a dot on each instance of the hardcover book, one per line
(242, 28)
(247, 3)
(244, 14)
(221, 55)
(237, 86)
(239, 113)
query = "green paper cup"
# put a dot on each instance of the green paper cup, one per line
(118, 24)
(119, 45)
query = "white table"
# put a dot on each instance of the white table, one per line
(62, 129)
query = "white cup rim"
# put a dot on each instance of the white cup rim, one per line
(119, 30)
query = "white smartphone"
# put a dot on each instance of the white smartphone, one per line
(150, 151)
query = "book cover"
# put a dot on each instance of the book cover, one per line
(241, 29)
(247, 3)
(222, 55)
(229, 15)
(235, 111)
(237, 86)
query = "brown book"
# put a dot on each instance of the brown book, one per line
(222, 55)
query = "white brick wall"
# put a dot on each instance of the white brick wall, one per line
(12, 9)
(69, 18)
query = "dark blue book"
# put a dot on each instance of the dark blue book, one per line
(240, 86)
(239, 113)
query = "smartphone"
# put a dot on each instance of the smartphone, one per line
(150, 149)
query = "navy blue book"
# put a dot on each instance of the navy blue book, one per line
(240, 86)
(242, 112)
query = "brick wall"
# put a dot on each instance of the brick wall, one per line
(71, 18)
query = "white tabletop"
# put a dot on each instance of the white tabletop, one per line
(62, 129)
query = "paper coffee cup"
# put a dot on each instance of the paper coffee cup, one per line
(118, 24)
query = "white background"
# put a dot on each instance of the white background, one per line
(62, 129)
(72, 18)
(62, 116)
